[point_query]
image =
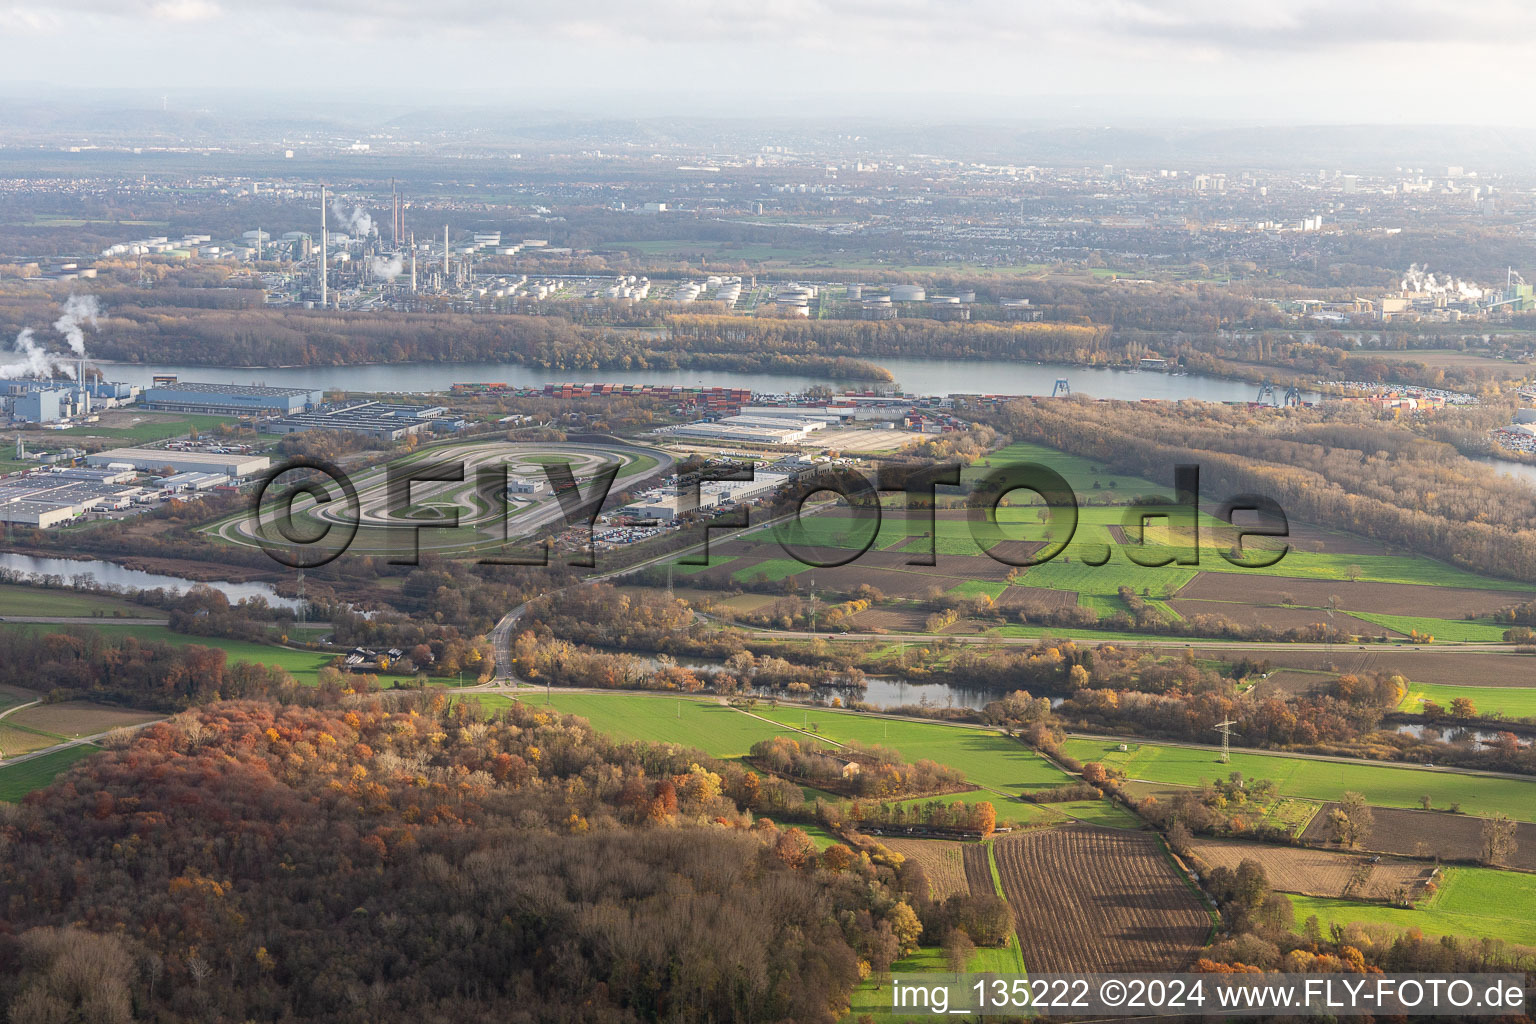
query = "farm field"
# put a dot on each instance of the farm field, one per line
(1508, 701)
(717, 730)
(988, 759)
(1310, 872)
(74, 719)
(1476, 902)
(1004, 767)
(17, 780)
(1439, 834)
(942, 860)
(14, 741)
(1089, 899)
(1315, 779)
(1417, 664)
(18, 599)
(10, 696)
(1443, 630)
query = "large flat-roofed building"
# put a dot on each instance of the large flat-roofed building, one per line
(231, 399)
(49, 498)
(374, 419)
(150, 460)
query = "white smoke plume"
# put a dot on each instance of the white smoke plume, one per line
(1419, 279)
(359, 221)
(35, 360)
(386, 269)
(78, 310)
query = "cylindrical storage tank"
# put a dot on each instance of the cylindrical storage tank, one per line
(908, 293)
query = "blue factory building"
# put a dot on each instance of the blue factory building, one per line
(231, 399)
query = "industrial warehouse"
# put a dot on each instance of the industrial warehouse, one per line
(760, 425)
(668, 503)
(153, 460)
(378, 420)
(169, 395)
(49, 498)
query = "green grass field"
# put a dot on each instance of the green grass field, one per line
(713, 728)
(1317, 780)
(988, 759)
(151, 427)
(17, 780)
(1454, 630)
(1476, 902)
(1079, 472)
(774, 569)
(1509, 701)
(17, 599)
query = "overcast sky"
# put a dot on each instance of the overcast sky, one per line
(1410, 61)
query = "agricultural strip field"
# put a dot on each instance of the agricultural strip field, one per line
(942, 861)
(1439, 834)
(1476, 902)
(1091, 899)
(1417, 664)
(1407, 597)
(17, 780)
(1310, 872)
(1316, 779)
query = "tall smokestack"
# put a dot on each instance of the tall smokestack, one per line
(324, 247)
(413, 264)
(445, 257)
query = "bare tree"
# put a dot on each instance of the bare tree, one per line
(1498, 839)
(1351, 821)
(958, 950)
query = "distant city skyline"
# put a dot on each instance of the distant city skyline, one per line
(1407, 62)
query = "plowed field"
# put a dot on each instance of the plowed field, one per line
(1097, 899)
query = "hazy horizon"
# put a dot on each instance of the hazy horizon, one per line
(1420, 62)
